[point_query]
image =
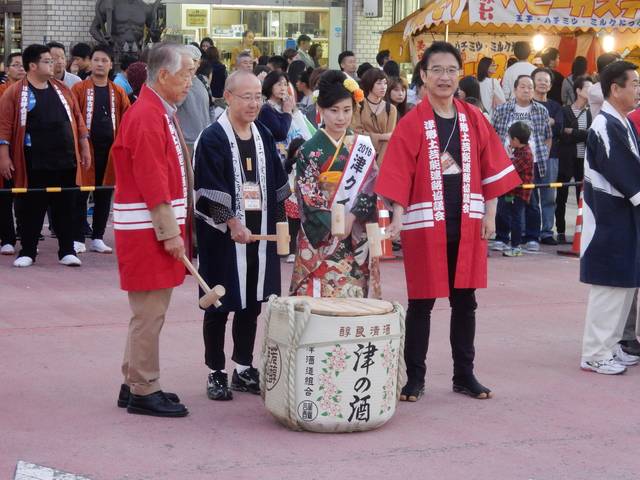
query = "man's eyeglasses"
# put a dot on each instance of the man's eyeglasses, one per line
(248, 98)
(16, 65)
(47, 62)
(441, 71)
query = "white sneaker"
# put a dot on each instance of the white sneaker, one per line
(532, 246)
(623, 358)
(291, 258)
(7, 250)
(23, 262)
(70, 261)
(499, 246)
(605, 367)
(79, 247)
(99, 246)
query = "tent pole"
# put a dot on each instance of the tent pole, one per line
(446, 32)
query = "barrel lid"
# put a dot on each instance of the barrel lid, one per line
(345, 307)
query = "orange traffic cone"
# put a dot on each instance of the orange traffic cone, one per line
(575, 247)
(383, 222)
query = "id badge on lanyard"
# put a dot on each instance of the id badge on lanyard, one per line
(252, 197)
(448, 164)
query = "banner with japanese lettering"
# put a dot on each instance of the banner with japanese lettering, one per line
(474, 47)
(435, 12)
(579, 14)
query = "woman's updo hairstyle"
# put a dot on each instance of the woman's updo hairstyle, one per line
(331, 88)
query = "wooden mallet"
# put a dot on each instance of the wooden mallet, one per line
(375, 238)
(281, 238)
(338, 221)
(211, 295)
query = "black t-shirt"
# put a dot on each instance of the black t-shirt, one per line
(248, 159)
(101, 124)
(51, 145)
(452, 183)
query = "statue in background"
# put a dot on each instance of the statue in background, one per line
(122, 23)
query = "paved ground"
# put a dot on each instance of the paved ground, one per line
(62, 334)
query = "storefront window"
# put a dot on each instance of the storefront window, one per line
(276, 27)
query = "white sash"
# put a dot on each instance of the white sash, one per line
(356, 171)
(24, 103)
(90, 107)
(261, 166)
(180, 153)
(433, 152)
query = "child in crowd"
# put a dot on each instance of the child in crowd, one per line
(515, 201)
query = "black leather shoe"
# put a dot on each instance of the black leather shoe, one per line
(247, 381)
(548, 241)
(125, 391)
(562, 239)
(218, 386)
(156, 405)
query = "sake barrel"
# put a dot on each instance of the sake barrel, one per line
(332, 364)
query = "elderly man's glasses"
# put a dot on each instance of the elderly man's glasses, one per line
(248, 98)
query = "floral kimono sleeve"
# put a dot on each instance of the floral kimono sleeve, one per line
(315, 213)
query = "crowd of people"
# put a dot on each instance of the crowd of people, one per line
(282, 138)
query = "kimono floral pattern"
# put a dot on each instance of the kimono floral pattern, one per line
(335, 362)
(339, 268)
(389, 357)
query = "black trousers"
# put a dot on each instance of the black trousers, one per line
(570, 167)
(462, 331)
(245, 323)
(32, 207)
(7, 225)
(101, 198)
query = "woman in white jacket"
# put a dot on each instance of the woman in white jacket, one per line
(491, 93)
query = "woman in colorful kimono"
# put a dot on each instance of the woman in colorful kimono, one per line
(335, 166)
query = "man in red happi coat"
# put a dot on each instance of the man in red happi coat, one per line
(443, 170)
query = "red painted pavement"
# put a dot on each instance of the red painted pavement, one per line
(62, 334)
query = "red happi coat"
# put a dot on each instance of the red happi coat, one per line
(149, 171)
(408, 178)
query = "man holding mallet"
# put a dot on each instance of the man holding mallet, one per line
(240, 189)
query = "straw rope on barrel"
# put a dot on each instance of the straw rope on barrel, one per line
(315, 394)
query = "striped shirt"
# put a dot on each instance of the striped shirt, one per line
(581, 115)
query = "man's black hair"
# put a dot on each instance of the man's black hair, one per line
(81, 50)
(106, 49)
(382, 54)
(303, 38)
(32, 54)
(522, 50)
(56, 45)
(440, 47)
(615, 72)
(279, 61)
(343, 55)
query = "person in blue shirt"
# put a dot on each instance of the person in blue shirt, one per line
(121, 78)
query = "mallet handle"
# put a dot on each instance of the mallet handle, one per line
(269, 238)
(195, 273)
